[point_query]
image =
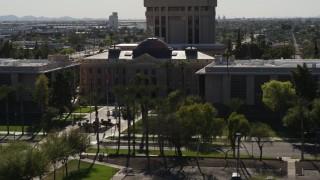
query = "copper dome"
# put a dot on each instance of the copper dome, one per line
(154, 47)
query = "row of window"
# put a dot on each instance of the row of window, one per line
(116, 71)
(178, 8)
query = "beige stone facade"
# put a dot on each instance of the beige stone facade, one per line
(181, 21)
(243, 79)
(176, 71)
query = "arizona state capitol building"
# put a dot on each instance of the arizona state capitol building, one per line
(185, 31)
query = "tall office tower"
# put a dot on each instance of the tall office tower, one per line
(113, 20)
(181, 21)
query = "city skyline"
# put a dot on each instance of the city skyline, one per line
(133, 9)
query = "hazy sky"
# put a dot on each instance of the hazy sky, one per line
(131, 9)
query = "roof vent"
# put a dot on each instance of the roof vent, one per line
(114, 53)
(191, 52)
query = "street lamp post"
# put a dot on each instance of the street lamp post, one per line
(238, 135)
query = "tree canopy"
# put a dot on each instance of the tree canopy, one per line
(278, 96)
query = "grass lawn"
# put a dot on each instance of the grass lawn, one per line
(171, 153)
(15, 128)
(97, 172)
(84, 109)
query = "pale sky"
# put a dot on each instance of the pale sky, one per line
(133, 9)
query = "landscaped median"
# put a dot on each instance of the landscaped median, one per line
(96, 172)
(170, 153)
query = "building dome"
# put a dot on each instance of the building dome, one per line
(154, 47)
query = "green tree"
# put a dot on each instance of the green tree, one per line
(234, 104)
(261, 133)
(298, 115)
(41, 95)
(278, 96)
(199, 121)
(79, 142)
(128, 112)
(316, 49)
(20, 90)
(4, 94)
(61, 93)
(20, 160)
(315, 112)
(67, 51)
(237, 123)
(56, 149)
(96, 97)
(304, 82)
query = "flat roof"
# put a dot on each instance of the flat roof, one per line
(127, 55)
(257, 66)
(24, 62)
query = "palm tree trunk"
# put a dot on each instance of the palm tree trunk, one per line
(22, 115)
(79, 162)
(66, 166)
(119, 129)
(54, 173)
(129, 146)
(133, 129)
(7, 111)
(302, 139)
(97, 128)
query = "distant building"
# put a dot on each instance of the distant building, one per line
(113, 20)
(181, 21)
(157, 62)
(14, 71)
(243, 78)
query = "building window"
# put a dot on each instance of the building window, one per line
(204, 8)
(238, 87)
(157, 31)
(163, 27)
(190, 29)
(149, 8)
(163, 9)
(176, 8)
(154, 80)
(189, 8)
(99, 81)
(91, 82)
(156, 9)
(153, 72)
(146, 72)
(196, 31)
(258, 82)
(90, 70)
(146, 82)
(99, 70)
(284, 78)
(196, 8)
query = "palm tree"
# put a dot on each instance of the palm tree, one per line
(298, 114)
(119, 93)
(40, 95)
(167, 65)
(4, 93)
(181, 65)
(95, 99)
(20, 89)
(128, 113)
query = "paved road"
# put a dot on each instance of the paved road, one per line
(296, 47)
